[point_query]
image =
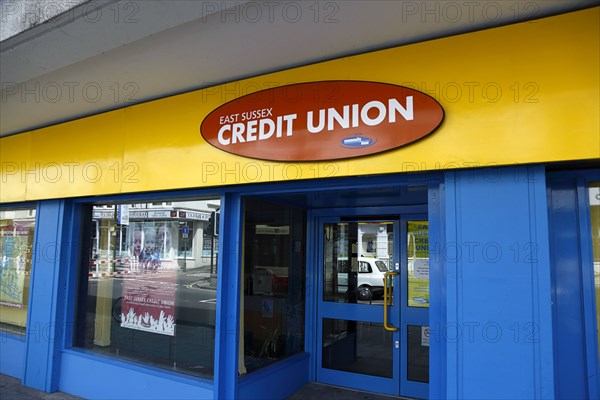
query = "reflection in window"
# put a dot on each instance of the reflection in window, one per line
(274, 284)
(594, 196)
(16, 250)
(145, 299)
(356, 255)
(356, 346)
(417, 356)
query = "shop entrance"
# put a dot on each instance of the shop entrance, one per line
(373, 301)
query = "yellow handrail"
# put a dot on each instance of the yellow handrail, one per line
(386, 326)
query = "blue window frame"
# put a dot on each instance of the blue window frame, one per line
(343, 319)
(164, 382)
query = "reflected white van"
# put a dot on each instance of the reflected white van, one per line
(370, 278)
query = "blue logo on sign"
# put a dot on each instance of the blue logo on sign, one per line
(357, 142)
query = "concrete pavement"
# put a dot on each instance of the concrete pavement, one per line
(12, 389)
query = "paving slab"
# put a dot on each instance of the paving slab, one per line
(12, 389)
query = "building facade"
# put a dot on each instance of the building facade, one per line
(419, 221)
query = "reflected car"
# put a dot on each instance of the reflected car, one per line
(370, 276)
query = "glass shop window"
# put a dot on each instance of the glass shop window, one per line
(144, 299)
(273, 284)
(16, 252)
(594, 199)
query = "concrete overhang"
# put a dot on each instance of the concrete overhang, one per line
(103, 55)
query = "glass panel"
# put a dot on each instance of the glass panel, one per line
(594, 196)
(16, 249)
(418, 263)
(417, 355)
(359, 347)
(274, 284)
(356, 256)
(144, 299)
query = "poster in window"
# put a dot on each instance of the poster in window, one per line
(12, 284)
(149, 303)
(418, 263)
(15, 261)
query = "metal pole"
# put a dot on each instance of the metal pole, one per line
(212, 251)
(112, 267)
(185, 244)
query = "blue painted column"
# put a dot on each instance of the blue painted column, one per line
(437, 291)
(12, 350)
(493, 303)
(228, 298)
(575, 334)
(45, 319)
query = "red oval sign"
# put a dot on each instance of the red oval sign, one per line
(319, 121)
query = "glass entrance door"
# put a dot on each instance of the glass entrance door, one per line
(373, 304)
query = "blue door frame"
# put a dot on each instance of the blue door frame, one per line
(355, 312)
(400, 315)
(409, 315)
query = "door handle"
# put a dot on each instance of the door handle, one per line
(386, 299)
